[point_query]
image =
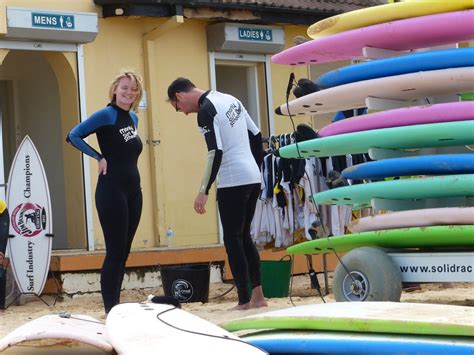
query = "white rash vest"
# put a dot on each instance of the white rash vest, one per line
(231, 134)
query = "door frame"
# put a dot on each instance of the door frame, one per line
(241, 57)
(79, 50)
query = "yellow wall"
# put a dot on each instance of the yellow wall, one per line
(103, 59)
(182, 153)
(171, 171)
(280, 75)
(179, 158)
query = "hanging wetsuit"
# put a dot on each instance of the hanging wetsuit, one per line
(4, 225)
(235, 153)
(118, 195)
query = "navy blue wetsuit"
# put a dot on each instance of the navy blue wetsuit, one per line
(118, 195)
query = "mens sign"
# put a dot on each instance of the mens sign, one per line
(51, 26)
(52, 20)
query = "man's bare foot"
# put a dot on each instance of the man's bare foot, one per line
(259, 304)
(241, 307)
(258, 300)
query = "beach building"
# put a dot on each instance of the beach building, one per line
(56, 62)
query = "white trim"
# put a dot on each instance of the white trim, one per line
(85, 158)
(38, 46)
(212, 79)
(212, 70)
(253, 97)
(239, 57)
(269, 90)
(3, 183)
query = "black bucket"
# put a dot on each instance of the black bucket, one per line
(186, 283)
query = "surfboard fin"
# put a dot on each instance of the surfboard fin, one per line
(335, 179)
(166, 300)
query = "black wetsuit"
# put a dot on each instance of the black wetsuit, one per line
(4, 226)
(118, 195)
(235, 153)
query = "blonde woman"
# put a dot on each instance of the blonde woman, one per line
(118, 194)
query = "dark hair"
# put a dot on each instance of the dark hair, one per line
(179, 85)
(305, 87)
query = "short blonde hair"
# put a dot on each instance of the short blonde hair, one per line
(136, 78)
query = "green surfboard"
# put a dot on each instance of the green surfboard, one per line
(365, 317)
(467, 96)
(405, 189)
(416, 237)
(417, 136)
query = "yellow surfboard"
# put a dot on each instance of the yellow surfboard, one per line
(384, 13)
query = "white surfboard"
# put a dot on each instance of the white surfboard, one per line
(31, 221)
(75, 328)
(149, 328)
(414, 218)
(406, 87)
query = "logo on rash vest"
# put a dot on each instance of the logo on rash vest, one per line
(29, 219)
(182, 290)
(128, 133)
(204, 130)
(233, 113)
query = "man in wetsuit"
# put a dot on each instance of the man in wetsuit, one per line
(118, 195)
(234, 146)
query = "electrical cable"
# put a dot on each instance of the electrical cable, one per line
(223, 294)
(67, 315)
(318, 213)
(223, 337)
(291, 281)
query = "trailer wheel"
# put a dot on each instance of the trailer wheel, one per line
(368, 274)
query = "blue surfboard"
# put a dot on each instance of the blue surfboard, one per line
(320, 342)
(443, 164)
(411, 63)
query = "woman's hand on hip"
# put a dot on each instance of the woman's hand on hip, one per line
(102, 166)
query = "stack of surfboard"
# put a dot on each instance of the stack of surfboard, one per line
(131, 329)
(427, 146)
(361, 328)
(424, 147)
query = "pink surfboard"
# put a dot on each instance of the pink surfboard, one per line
(46, 329)
(403, 35)
(447, 112)
(414, 218)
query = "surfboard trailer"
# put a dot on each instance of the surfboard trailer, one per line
(377, 274)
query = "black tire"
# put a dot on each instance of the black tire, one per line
(372, 277)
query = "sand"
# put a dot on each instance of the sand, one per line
(215, 311)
